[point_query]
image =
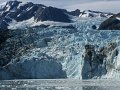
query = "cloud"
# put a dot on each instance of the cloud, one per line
(105, 6)
(101, 5)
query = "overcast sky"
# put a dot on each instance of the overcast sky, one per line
(101, 5)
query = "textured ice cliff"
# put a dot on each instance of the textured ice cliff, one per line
(59, 52)
(38, 66)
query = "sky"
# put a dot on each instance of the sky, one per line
(99, 5)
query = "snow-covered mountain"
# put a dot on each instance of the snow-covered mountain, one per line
(16, 11)
(90, 13)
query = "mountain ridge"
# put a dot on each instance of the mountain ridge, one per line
(18, 11)
(112, 23)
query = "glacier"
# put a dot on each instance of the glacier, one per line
(57, 52)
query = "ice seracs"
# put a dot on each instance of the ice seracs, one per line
(24, 52)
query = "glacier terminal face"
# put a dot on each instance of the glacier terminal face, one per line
(60, 52)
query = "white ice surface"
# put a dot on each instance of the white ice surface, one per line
(32, 23)
(118, 18)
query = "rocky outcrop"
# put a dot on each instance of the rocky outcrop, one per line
(97, 63)
(51, 14)
(112, 23)
(75, 13)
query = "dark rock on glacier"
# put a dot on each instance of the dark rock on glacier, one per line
(51, 14)
(94, 27)
(112, 23)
